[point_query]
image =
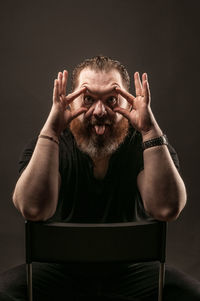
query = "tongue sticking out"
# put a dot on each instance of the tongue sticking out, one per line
(100, 129)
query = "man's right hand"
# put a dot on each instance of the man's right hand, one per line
(60, 115)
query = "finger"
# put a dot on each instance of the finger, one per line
(144, 77)
(146, 91)
(129, 97)
(110, 111)
(62, 100)
(60, 82)
(55, 91)
(70, 97)
(123, 112)
(64, 82)
(138, 84)
(78, 112)
(89, 112)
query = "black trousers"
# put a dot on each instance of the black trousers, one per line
(56, 282)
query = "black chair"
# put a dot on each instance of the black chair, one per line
(116, 242)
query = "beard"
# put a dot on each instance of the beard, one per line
(99, 145)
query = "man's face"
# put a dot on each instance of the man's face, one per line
(100, 130)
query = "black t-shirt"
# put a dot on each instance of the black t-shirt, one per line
(85, 199)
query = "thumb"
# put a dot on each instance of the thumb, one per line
(78, 112)
(123, 112)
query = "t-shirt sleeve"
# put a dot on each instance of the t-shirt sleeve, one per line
(26, 155)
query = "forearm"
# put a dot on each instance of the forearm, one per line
(163, 191)
(36, 192)
(160, 185)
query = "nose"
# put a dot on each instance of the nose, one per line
(99, 109)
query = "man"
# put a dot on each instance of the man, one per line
(100, 157)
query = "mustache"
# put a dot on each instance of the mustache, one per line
(99, 121)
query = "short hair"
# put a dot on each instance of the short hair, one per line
(100, 63)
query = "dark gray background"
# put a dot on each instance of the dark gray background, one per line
(40, 38)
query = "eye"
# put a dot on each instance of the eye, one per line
(111, 100)
(88, 100)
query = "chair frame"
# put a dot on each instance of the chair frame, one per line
(118, 245)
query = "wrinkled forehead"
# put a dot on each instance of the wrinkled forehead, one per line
(99, 81)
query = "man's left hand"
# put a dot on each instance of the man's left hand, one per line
(140, 115)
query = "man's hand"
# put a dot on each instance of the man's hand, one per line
(60, 115)
(140, 115)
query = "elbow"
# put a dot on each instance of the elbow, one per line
(167, 207)
(33, 213)
(168, 213)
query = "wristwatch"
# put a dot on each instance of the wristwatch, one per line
(162, 140)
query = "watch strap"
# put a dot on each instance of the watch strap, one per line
(162, 140)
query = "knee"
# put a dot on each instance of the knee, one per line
(4, 297)
(13, 284)
(180, 286)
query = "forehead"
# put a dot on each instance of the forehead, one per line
(99, 80)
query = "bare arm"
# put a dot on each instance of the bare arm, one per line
(36, 192)
(161, 187)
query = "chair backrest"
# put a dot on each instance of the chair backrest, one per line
(115, 242)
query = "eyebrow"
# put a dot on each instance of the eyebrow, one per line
(110, 91)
